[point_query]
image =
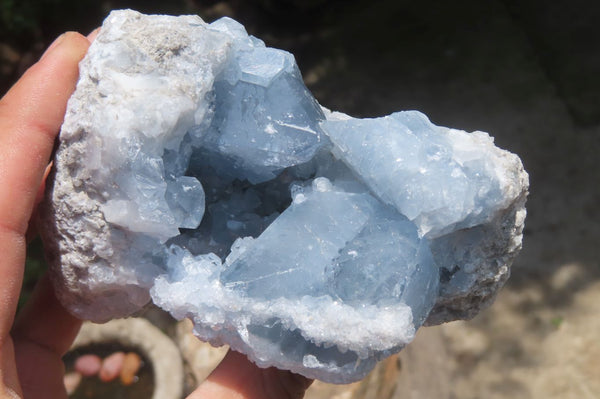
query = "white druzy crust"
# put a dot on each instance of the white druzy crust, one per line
(196, 170)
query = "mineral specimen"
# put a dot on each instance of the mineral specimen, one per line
(195, 168)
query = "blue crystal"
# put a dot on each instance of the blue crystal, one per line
(436, 176)
(195, 163)
(265, 119)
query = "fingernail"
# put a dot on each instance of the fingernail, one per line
(54, 44)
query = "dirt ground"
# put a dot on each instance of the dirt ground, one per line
(527, 72)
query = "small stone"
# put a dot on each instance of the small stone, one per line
(88, 365)
(131, 365)
(112, 366)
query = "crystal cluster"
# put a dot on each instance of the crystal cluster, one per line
(196, 169)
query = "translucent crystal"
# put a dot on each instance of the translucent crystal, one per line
(265, 119)
(443, 179)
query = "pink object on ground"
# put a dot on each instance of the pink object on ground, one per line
(71, 381)
(88, 365)
(112, 366)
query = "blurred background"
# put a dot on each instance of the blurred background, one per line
(526, 71)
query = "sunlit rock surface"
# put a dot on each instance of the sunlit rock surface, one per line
(195, 167)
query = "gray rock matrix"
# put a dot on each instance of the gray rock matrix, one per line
(196, 170)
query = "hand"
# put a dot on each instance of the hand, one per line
(31, 347)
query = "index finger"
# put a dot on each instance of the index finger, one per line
(30, 117)
(31, 114)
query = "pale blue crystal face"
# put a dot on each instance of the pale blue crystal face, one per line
(386, 264)
(315, 229)
(344, 245)
(436, 176)
(265, 119)
(307, 239)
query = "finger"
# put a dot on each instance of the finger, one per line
(42, 334)
(30, 116)
(32, 229)
(9, 379)
(92, 36)
(41, 373)
(238, 378)
(44, 322)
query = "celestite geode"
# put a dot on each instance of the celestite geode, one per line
(196, 169)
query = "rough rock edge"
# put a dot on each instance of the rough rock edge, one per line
(501, 242)
(73, 231)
